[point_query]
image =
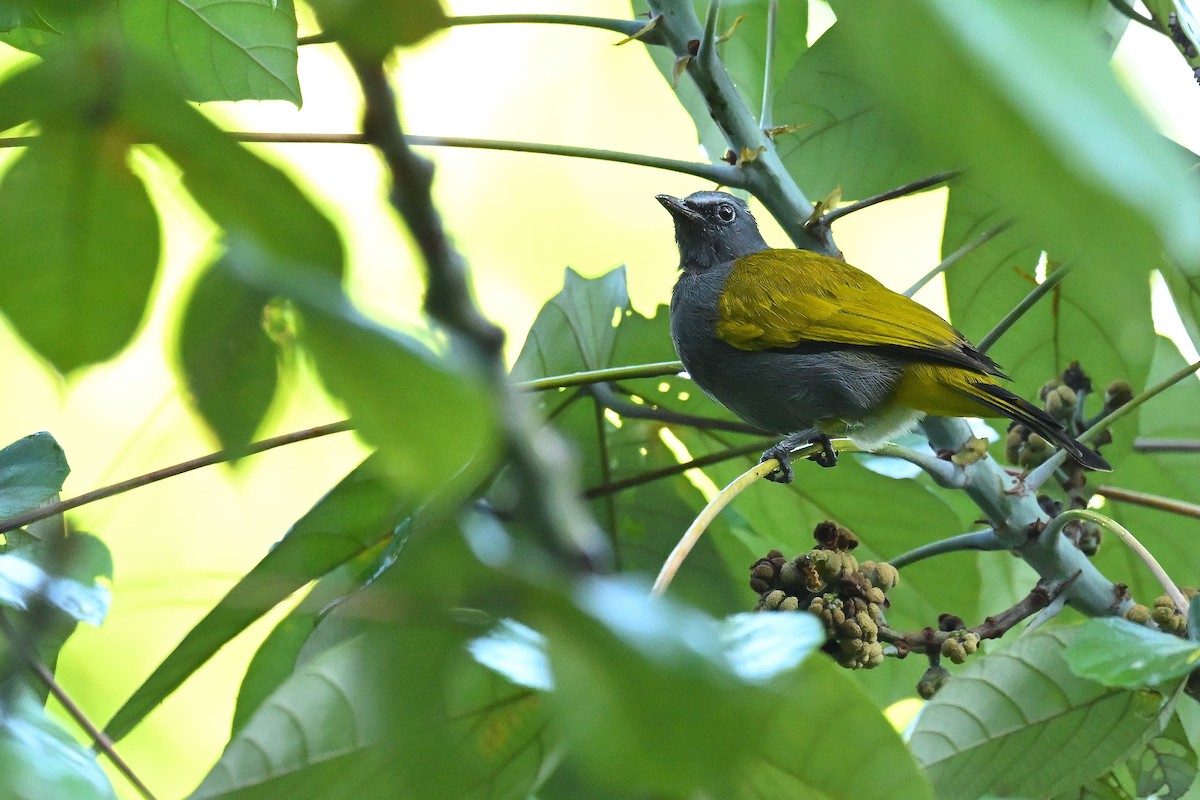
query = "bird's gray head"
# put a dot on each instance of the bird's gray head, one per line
(712, 228)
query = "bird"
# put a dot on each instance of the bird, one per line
(803, 345)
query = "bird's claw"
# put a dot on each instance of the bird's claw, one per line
(782, 453)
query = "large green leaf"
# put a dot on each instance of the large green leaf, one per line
(38, 759)
(840, 119)
(735, 710)
(230, 50)
(229, 361)
(1023, 97)
(360, 511)
(1019, 722)
(1116, 652)
(32, 471)
(81, 247)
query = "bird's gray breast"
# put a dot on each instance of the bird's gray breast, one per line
(781, 391)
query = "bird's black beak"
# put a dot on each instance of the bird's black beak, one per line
(679, 210)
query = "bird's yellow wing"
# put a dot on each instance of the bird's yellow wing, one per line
(791, 298)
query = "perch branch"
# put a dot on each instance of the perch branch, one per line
(675, 469)
(654, 370)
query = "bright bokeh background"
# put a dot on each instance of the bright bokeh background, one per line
(519, 219)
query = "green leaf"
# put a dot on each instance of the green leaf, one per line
(38, 759)
(241, 192)
(1116, 652)
(81, 247)
(22, 582)
(232, 50)
(372, 29)
(1167, 767)
(276, 658)
(841, 118)
(228, 360)
(1019, 722)
(32, 471)
(310, 734)
(359, 512)
(1022, 96)
(729, 706)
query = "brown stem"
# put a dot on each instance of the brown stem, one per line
(219, 457)
(101, 742)
(929, 641)
(1149, 500)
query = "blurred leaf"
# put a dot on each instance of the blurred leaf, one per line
(232, 50)
(81, 246)
(1116, 652)
(1167, 767)
(25, 579)
(243, 194)
(22, 15)
(228, 360)
(360, 511)
(1039, 120)
(841, 118)
(723, 725)
(1003, 724)
(38, 759)
(32, 471)
(371, 28)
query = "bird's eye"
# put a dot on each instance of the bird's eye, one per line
(725, 212)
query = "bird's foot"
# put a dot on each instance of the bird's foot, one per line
(782, 453)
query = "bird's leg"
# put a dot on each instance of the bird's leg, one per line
(782, 453)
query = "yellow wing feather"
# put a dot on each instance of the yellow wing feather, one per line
(786, 298)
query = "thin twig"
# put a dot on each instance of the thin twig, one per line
(540, 460)
(930, 641)
(1018, 311)
(653, 370)
(1056, 525)
(674, 469)
(100, 741)
(1129, 11)
(1145, 500)
(219, 457)
(975, 540)
(1145, 444)
(827, 219)
(949, 260)
(700, 523)
(625, 27)
(607, 398)
(708, 41)
(766, 118)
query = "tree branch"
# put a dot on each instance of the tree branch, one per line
(540, 460)
(1018, 311)
(765, 175)
(1149, 500)
(961, 252)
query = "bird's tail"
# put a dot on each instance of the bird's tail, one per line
(1007, 404)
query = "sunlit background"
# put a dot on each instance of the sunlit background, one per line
(520, 220)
